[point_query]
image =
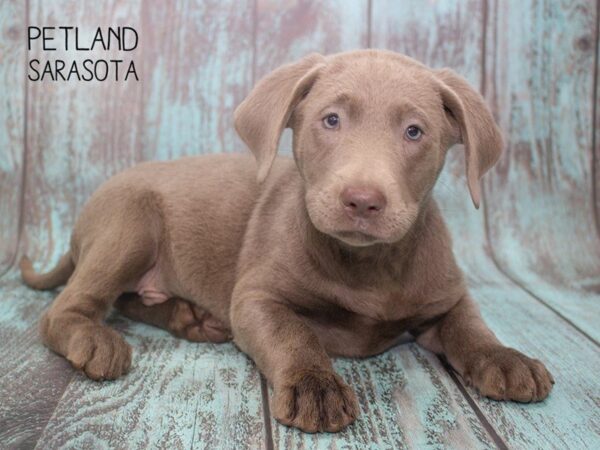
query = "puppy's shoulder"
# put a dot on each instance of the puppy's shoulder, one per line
(434, 251)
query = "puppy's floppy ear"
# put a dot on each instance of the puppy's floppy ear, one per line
(262, 116)
(476, 127)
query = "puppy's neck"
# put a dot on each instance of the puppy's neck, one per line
(361, 265)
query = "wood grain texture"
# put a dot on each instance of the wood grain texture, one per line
(197, 60)
(178, 395)
(568, 418)
(540, 211)
(32, 378)
(596, 149)
(441, 34)
(286, 31)
(12, 117)
(81, 132)
(197, 69)
(406, 401)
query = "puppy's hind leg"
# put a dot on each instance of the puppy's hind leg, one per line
(181, 318)
(73, 326)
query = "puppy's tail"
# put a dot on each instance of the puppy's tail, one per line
(49, 280)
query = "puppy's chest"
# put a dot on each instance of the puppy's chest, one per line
(378, 304)
(364, 322)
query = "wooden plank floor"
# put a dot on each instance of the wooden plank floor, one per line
(184, 395)
(531, 256)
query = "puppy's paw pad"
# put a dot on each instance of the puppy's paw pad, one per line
(314, 401)
(506, 374)
(100, 352)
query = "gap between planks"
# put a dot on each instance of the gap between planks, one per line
(478, 412)
(266, 412)
(595, 120)
(21, 206)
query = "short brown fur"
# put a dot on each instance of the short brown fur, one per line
(283, 265)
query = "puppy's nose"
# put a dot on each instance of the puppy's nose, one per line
(363, 202)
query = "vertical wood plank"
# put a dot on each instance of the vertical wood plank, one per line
(437, 33)
(289, 30)
(596, 138)
(540, 209)
(12, 116)
(80, 133)
(198, 67)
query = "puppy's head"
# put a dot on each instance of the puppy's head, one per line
(371, 131)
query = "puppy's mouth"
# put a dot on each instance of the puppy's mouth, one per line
(356, 238)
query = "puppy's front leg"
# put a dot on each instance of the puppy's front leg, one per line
(308, 394)
(497, 371)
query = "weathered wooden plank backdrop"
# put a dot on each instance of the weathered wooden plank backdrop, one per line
(532, 255)
(12, 125)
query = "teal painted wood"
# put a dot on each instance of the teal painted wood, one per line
(440, 34)
(197, 67)
(287, 31)
(522, 322)
(81, 132)
(168, 116)
(178, 395)
(596, 149)
(12, 117)
(406, 401)
(568, 418)
(539, 81)
(32, 379)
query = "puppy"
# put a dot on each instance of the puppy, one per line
(336, 252)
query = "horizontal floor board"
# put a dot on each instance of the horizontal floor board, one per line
(407, 400)
(568, 418)
(178, 395)
(32, 378)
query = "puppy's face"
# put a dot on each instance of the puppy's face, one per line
(370, 139)
(371, 130)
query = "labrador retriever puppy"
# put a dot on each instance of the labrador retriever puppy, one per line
(337, 252)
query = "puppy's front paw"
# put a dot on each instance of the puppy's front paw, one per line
(506, 374)
(100, 352)
(314, 400)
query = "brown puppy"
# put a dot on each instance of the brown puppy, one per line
(337, 253)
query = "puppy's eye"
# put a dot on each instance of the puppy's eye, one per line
(331, 121)
(413, 133)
